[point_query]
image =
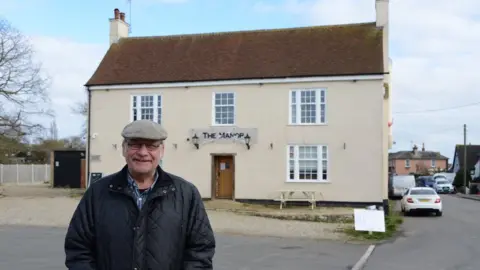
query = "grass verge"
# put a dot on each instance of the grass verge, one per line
(392, 224)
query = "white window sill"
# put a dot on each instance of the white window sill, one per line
(309, 181)
(223, 125)
(313, 124)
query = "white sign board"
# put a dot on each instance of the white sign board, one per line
(224, 135)
(369, 220)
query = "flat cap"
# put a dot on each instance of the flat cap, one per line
(144, 129)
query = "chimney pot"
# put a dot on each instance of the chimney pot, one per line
(118, 27)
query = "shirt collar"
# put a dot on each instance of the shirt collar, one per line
(132, 182)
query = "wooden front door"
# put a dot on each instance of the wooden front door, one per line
(224, 169)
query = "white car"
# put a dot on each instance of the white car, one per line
(443, 186)
(421, 199)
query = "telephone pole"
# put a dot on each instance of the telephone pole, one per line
(465, 158)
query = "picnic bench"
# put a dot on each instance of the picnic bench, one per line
(305, 195)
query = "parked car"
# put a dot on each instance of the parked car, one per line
(402, 183)
(442, 185)
(448, 176)
(425, 181)
(423, 199)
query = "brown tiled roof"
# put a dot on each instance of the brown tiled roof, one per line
(418, 155)
(352, 49)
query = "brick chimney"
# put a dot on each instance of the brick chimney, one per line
(118, 27)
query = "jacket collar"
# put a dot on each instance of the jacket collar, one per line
(164, 182)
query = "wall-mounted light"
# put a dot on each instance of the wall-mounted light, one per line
(344, 145)
(175, 145)
(195, 140)
(114, 145)
(247, 141)
(386, 91)
(271, 145)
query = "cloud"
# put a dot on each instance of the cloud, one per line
(434, 49)
(69, 65)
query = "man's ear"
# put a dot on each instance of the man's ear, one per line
(124, 150)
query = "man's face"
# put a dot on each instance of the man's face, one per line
(142, 156)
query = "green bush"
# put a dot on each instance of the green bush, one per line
(458, 180)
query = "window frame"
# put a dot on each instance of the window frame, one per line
(433, 163)
(234, 108)
(318, 105)
(407, 163)
(155, 103)
(296, 163)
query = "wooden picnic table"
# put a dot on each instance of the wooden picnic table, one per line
(307, 195)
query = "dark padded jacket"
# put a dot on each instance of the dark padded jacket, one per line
(170, 232)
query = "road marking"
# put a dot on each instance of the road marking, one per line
(363, 260)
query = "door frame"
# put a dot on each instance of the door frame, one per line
(214, 178)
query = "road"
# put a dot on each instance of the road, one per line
(450, 242)
(41, 248)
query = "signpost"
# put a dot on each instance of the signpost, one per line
(370, 220)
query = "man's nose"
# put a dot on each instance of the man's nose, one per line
(143, 150)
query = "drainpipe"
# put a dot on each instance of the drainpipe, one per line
(88, 134)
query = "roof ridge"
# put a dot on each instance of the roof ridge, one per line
(253, 31)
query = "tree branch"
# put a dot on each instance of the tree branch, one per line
(23, 90)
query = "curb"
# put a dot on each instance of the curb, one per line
(467, 197)
(363, 260)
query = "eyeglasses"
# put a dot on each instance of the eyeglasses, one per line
(138, 146)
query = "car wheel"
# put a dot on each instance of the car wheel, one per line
(439, 213)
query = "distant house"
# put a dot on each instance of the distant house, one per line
(415, 161)
(458, 158)
(476, 172)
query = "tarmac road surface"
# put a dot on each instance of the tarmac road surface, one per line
(450, 242)
(41, 248)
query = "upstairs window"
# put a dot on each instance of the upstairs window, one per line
(147, 107)
(307, 107)
(223, 109)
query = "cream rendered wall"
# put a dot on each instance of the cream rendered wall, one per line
(354, 114)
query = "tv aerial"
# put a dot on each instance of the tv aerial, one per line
(130, 16)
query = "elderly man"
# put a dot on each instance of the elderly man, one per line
(140, 217)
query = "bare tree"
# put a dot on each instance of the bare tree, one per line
(23, 89)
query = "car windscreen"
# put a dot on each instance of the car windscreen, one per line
(442, 182)
(422, 192)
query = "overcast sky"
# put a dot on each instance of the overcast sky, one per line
(434, 48)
